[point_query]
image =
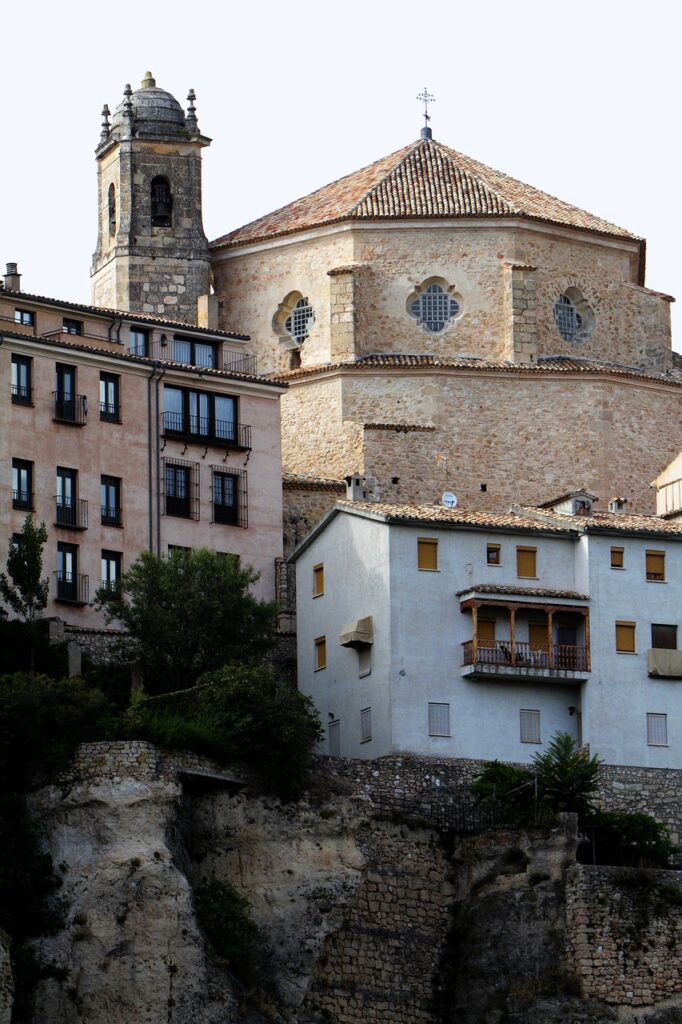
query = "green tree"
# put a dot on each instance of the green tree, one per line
(25, 591)
(190, 613)
(567, 777)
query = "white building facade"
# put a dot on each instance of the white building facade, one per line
(473, 635)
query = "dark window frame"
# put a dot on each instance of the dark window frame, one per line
(72, 586)
(161, 202)
(192, 342)
(180, 475)
(22, 394)
(110, 515)
(235, 513)
(664, 636)
(26, 317)
(22, 498)
(139, 346)
(109, 582)
(110, 411)
(72, 326)
(225, 433)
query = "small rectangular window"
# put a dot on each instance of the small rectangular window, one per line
(70, 326)
(617, 558)
(320, 653)
(427, 554)
(22, 391)
(110, 500)
(22, 484)
(526, 562)
(365, 725)
(111, 570)
(229, 496)
(530, 726)
(493, 554)
(655, 566)
(24, 316)
(334, 733)
(663, 637)
(625, 637)
(318, 580)
(439, 719)
(139, 342)
(109, 394)
(657, 730)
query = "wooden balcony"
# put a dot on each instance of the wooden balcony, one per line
(507, 659)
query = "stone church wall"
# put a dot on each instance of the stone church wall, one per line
(525, 436)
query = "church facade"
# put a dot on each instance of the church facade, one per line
(440, 325)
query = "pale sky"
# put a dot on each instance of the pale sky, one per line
(581, 100)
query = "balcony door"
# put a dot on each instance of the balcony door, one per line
(67, 572)
(66, 496)
(66, 392)
(199, 414)
(225, 418)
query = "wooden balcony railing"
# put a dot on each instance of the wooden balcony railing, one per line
(521, 654)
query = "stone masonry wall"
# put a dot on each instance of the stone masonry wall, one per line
(381, 964)
(624, 933)
(304, 504)
(525, 435)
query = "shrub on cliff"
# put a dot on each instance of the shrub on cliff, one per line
(629, 840)
(239, 713)
(189, 613)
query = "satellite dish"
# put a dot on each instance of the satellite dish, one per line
(449, 499)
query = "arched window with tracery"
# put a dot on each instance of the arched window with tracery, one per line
(434, 304)
(162, 203)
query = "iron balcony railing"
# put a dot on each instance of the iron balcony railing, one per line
(111, 515)
(22, 499)
(72, 587)
(22, 395)
(70, 408)
(111, 586)
(110, 411)
(71, 512)
(205, 430)
(235, 362)
(522, 654)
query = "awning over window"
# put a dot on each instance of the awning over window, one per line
(665, 663)
(360, 632)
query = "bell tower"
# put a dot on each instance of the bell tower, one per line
(152, 254)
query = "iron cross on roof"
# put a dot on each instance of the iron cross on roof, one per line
(425, 97)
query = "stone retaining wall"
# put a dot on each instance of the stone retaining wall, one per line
(624, 933)
(130, 759)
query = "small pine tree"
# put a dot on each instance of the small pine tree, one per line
(25, 591)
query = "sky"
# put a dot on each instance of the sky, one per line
(580, 100)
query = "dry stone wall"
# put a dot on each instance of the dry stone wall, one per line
(624, 933)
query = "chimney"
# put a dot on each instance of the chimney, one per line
(356, 489)
(12, 278)
(618, 505)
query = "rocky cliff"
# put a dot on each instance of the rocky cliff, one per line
(364, 917)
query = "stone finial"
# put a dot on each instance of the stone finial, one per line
(127, 112)
(106, 127)
(191, 118)
(148, 82)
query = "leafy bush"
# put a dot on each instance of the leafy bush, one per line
(225, 917)
(189, 613)
(510, 786)
(628, 840)
(241, 713)
(19, 640)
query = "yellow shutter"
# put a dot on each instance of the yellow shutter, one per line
(526, 562)
(617, 558)
(625, 637)
(320, 653)
(655, 565)
(486, 632)
(537, 635)
(318, 580)
(427, 553)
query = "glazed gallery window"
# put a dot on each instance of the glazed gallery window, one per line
(433, 306)
(191, 353)
(199, 415)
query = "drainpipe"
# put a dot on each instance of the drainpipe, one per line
(158, 463)
(150, 378)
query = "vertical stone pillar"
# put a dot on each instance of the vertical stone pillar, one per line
(521, 313)
(342, 294)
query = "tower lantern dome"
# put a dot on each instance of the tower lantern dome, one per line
(155, 112)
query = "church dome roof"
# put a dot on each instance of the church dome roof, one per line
(424, 180)
(155, 111)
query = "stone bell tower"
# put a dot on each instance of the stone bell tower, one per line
(152, 253)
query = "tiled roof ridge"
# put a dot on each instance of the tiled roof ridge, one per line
(441, 516)
(293, 481)
(597, 521)
(123, 313)
(498, 588)
(563, 364)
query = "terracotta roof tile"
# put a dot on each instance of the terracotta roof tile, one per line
(440, 516)
(606, 522)
(424, 179)
(292, 482)
(492, 588)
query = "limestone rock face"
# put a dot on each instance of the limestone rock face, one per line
(131, 949)
(6, 984)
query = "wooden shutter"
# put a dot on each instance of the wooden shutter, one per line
(427, 554)
(318, 580)
(655, 565)
(320, 653)
(526, 562)
(530, 726)
(617, 558)
(537, 635)
(657, 730)
(439, 719)
(625, 637)
(486, 632)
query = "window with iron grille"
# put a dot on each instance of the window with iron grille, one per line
(439, 719)
(530, 726)
(181, 488)
(365, 725)
(300, 320)
(433, 308)
(22, 392)
(229, 496)
(573, 316)
(657, 730)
